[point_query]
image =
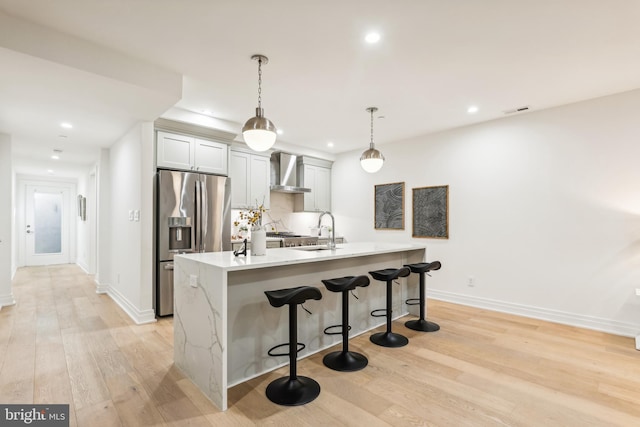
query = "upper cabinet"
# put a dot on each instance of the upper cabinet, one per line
(250, 175)
(316, 175)
(191, 154)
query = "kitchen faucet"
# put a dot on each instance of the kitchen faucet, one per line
(332, 241)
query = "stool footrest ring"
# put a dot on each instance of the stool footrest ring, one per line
(380, 312)
(413, 301)
(270, 352)
(327, 332)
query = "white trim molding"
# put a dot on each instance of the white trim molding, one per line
(565, 318)
(140, 317)
(7, 300)
(102, 288)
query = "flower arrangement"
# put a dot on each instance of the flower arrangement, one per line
(249, 218)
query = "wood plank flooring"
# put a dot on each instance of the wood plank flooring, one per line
(63, 343)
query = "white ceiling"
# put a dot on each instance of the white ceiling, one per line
(82, 60)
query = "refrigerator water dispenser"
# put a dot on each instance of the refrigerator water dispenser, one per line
(179, 233)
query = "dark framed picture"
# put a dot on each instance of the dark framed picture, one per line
(83, 208)
(389, 206)
(431, 212)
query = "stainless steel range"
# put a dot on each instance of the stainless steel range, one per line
(289, 240)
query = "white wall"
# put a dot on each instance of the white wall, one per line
(130, 185)
(86, 239)
(7, 248)
(544, 211)
(103, 226)
(83, 229)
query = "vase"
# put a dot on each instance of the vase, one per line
(258, 242)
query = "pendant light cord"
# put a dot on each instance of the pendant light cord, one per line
(259, 82)
(371, 143)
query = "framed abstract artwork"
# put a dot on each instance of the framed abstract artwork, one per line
(389, 206)
(431, 212)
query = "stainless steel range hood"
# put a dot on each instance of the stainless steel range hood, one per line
(284, 174)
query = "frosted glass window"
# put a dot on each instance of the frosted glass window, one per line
(47, 218)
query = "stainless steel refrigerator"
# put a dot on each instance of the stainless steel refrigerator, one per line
(193, 214)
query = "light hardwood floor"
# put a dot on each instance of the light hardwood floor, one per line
(63, 343)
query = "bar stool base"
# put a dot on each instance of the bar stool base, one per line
(345, 361)
(422, 325)
(293, 392)
(389, 339)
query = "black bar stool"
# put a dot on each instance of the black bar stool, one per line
(344, 360)
(422, 324)
(292, 390)
(388, 338)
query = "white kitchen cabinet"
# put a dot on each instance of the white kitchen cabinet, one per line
(188, 153)
(316, 175)
(250, 175)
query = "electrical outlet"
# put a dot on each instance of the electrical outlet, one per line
(471, 281)
(193, 280)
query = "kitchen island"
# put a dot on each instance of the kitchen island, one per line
(224, 325)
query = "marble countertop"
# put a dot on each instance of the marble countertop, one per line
(286, 256)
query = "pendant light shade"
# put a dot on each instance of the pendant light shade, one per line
(372, 159)
(258, 132)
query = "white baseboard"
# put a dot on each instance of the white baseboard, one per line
(101, 288)
(83, 266)
(7, 300)
(556, 316)
(140, 317)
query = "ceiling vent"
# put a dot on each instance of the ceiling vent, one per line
(517, 110)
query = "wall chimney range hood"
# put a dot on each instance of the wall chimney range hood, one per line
(284, 173)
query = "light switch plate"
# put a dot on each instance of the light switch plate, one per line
(130, 215)
(193, 280)
(136, 215)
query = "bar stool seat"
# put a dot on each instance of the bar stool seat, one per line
(345, 360)
(422, 324)
(388, 338)
(292, 390)
(297, 295)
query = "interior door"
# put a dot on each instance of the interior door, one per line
(47, 225)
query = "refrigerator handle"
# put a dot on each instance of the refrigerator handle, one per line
(203, 215)
(198, 233)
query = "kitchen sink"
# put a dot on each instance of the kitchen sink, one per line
(312, 248)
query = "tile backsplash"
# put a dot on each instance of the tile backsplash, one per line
(281, 215)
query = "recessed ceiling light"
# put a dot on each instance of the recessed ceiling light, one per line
(56, 154)
(50, 171)
(329, 144)
(66, 125)
(472, 110)
(372, 37)
(279, 131)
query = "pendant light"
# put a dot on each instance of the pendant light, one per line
(372, 159)
(259, 132)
